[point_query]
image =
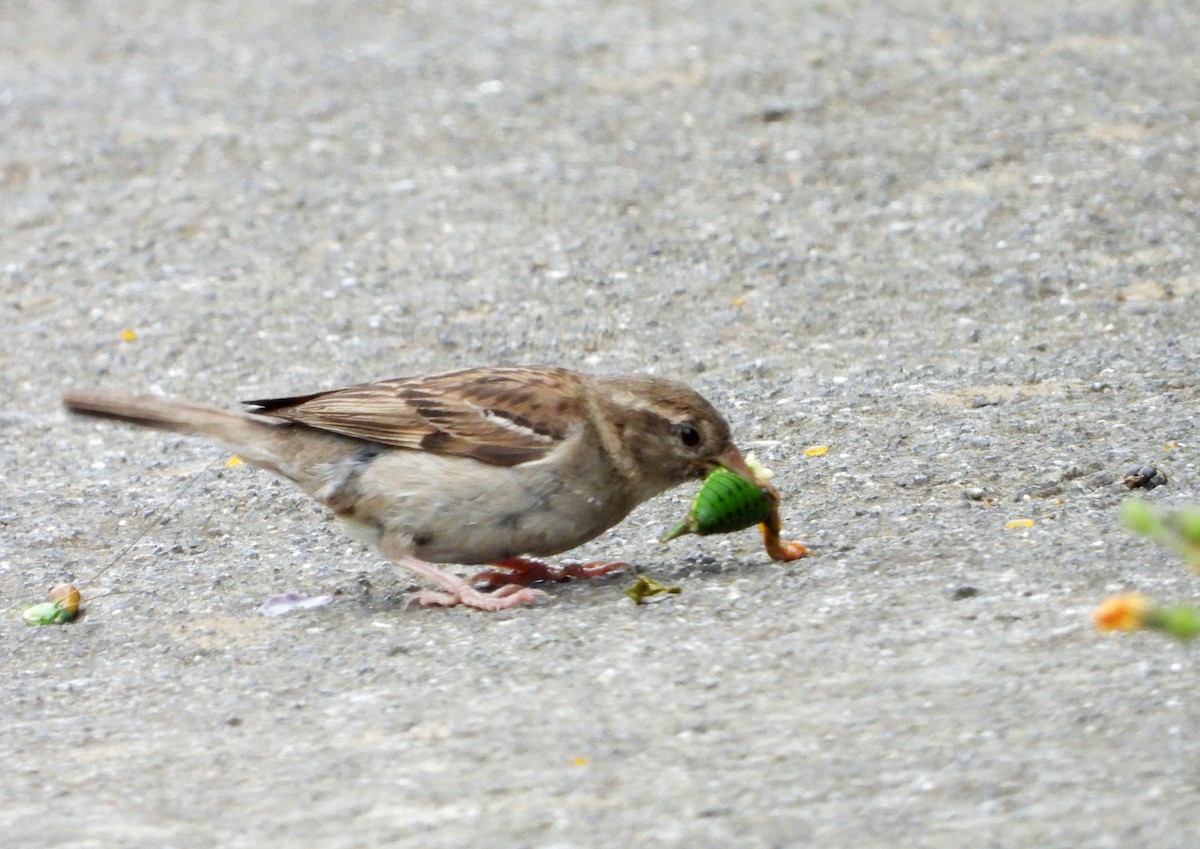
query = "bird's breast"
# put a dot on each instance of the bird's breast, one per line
(459, 510)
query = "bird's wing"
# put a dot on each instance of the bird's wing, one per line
(501, 416)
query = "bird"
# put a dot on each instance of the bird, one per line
(498, 466)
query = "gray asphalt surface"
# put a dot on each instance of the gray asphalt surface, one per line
(955, 243)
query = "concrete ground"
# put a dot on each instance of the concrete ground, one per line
(956, 243)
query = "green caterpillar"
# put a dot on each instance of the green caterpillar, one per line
(727, 502)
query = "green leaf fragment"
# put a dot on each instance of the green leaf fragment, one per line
(1139, 516)
(1184, 525)
(1176, 529)
(46, 613)
(1181, 622)
(644, 588)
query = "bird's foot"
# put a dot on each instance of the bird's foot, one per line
(512, 595)
(454, 590)
(522, 571)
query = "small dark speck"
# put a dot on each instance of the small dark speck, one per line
(1144, 477)
(233, 721)
(774, 113)
(965, 591)
(422, 540)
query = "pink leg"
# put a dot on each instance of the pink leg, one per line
(528, 570)
(454, 589)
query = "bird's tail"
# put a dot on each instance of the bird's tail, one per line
(256, 440)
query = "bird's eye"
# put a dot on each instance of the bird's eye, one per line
(689, 436)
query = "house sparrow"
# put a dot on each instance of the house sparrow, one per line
(479, 466)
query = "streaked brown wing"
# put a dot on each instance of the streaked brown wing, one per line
(502, 416)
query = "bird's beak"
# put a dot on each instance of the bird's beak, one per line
(733, 460)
